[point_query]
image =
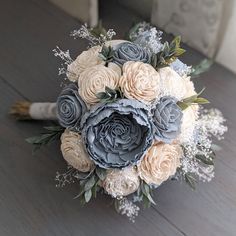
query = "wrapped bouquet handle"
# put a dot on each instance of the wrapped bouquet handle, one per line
(24, 110)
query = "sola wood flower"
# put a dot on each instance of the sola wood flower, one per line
(140, 81)
(128, 51)
(121, 182)
(171, 83)
(85, 60)
(74, 153)
(70, 107)
(117, 134)
(190, 116)
(167, 118)
(96, 79)
(160, 162)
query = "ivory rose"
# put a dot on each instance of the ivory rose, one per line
(85, 60)
(140, 81)
(121, 182)
(189, 87)
(160, 162)
(95, 79)
(74, 153)
(190, 116)
(171, 83)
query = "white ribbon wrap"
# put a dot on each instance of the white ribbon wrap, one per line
(43, 111)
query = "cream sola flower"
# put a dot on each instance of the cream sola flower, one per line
(95, 79)
(74, 153)
(159, 163)
(85, 60)
(140, 81)
(121, 182)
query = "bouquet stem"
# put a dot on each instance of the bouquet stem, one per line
(24, 110)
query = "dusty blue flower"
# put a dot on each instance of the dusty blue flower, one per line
(117, 134)
(128, 51)
(167, 118)
(70, 107)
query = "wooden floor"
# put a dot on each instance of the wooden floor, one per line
(30, 204)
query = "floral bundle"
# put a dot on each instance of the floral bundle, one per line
(130, 118)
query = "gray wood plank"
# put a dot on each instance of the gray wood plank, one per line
(28, 34)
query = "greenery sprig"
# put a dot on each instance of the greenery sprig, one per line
(109, 95)
(144, 193)
(90, 186)
(195, 99)
(201, 68)
(169, 53)
(50, 134)
(106, 54)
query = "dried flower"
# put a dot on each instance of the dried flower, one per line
(160, 162)
(121, 182)
(95, 79)
(74, 153)
(86, 59)
(117, 134)
(140, 81)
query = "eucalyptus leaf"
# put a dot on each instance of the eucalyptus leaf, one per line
(201, 101)
(190, 180)
(182, 105)
(88, 195)
(101, 173)
(204, 159)
(202, 67)
(90, 183)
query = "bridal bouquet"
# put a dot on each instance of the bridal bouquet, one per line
(129, 118)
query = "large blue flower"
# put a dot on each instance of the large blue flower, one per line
(167, 118)
(117, 134)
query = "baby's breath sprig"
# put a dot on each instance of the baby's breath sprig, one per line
(96, 36)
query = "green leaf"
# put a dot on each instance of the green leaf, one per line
(51, 134)
(202, 67)
(90, 183)
(190, 180)
(204, 159)
(101, 173)
(177, 41)
(190, 99)
(88, 195)
(201, 101)
(182, 105)
(54, 128)
(146, 191)
(101, 95)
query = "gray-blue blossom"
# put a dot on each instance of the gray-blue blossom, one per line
(128, 51)
(167, 118)
(117, 134)
(70, 107)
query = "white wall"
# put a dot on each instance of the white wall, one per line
(84, 10)
(227, 50)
